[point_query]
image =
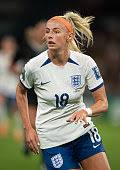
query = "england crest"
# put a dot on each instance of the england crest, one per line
(76, 81)
(57, 160)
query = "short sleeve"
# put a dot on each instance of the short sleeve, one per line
(94, 78)
(26, 77)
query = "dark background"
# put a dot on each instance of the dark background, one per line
(15, 15)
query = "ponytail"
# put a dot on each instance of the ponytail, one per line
(82, 30)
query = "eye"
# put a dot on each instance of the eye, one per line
(47, 31)
(57, 31)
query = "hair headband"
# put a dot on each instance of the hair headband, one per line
(63, 21)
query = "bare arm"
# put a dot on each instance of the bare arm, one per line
(101, 102)
(30, 134)
(100, 105)
(22, 103)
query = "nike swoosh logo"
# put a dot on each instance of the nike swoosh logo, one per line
(95, 146)
(43, 83)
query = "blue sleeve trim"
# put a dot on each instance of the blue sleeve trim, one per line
(96, 88)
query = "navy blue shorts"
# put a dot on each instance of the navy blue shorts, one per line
(69, 155)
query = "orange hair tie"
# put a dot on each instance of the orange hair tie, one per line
(63, 21)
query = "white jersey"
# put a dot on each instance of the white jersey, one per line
(59, 92)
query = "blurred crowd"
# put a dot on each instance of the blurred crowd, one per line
(14, 54)
(106, 51)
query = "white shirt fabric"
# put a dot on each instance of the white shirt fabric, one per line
(59, 92)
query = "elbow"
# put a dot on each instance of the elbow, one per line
(105, 105)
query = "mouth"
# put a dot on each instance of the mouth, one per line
(51, 43)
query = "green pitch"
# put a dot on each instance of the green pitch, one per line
(12, 157)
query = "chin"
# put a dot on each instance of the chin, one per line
(52, 48)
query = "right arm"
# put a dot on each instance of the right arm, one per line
(22, 103)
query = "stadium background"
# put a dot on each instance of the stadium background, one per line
(16, 15)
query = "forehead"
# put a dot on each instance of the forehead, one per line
(55, 25)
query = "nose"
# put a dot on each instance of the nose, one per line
(50, 35)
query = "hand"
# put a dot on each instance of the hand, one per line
(78, 116)
(32, 140)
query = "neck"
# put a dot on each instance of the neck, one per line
(59, 57)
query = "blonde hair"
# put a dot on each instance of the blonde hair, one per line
(81, 26)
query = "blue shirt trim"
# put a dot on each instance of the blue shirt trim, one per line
(96, 88)
(46, 62)
(71, 61)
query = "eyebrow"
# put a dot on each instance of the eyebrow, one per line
(54, 28)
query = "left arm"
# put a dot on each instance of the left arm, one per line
(100, 105)
(101, 102)
(95, 85)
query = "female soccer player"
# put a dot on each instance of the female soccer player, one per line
(64, 130)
